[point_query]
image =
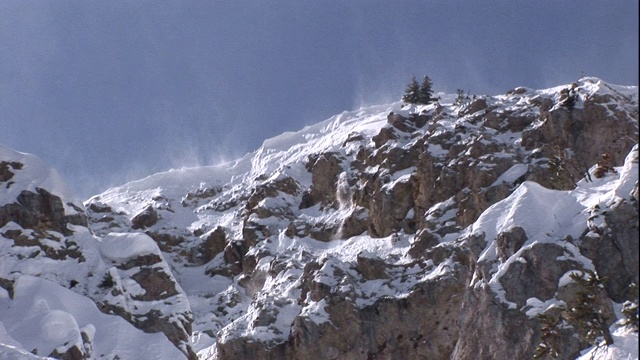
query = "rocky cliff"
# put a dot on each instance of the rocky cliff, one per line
(466, 230)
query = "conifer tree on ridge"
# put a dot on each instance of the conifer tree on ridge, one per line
(412, 92)
(426, 91)
(417, 93)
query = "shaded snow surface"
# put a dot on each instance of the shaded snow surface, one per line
(43, 315)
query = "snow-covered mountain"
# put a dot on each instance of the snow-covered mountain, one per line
(453, 230)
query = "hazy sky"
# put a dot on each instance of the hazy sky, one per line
(112, 91)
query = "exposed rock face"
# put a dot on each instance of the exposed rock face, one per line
(510, 242)
(423, 241)
(213, 245)
(408, 328)
(371, 268)
(578, 137)
(389, 206)
(388, 328)
(511, 333)
(40, 211)
(324, 169)
(613, 247)
(420, 178)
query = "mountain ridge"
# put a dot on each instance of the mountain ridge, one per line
(329, 241)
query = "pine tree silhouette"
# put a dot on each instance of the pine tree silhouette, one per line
(417, 93)
(412, 92)
(426, 91)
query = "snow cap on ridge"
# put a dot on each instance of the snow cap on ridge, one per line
(29, 174)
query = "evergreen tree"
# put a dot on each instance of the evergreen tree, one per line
(582, 315)
(426, 91)
(460, 98)
(412, 92)
(585, 314)
(551, 340)
(417, 93)
(630, 309)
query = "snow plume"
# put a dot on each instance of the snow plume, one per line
(343, 192)
(345, 202)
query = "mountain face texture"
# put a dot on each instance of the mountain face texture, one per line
(455, 230)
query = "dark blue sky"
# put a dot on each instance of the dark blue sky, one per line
(111, 91)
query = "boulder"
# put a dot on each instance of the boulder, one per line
(147, 217)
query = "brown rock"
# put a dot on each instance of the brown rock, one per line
(615, 252)
(509, 242)
(400, 122)
(5, 173)
(157, 284)
(371, 268)
(475, 106)
(324, 169)
(422, 325)
(40, 211)
(423, 241)
(383, 136)
(147, 217)
(213, 245)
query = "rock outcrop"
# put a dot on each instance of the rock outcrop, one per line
(139, 286)
(40, 210)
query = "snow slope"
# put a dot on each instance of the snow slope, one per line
(43, 315)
